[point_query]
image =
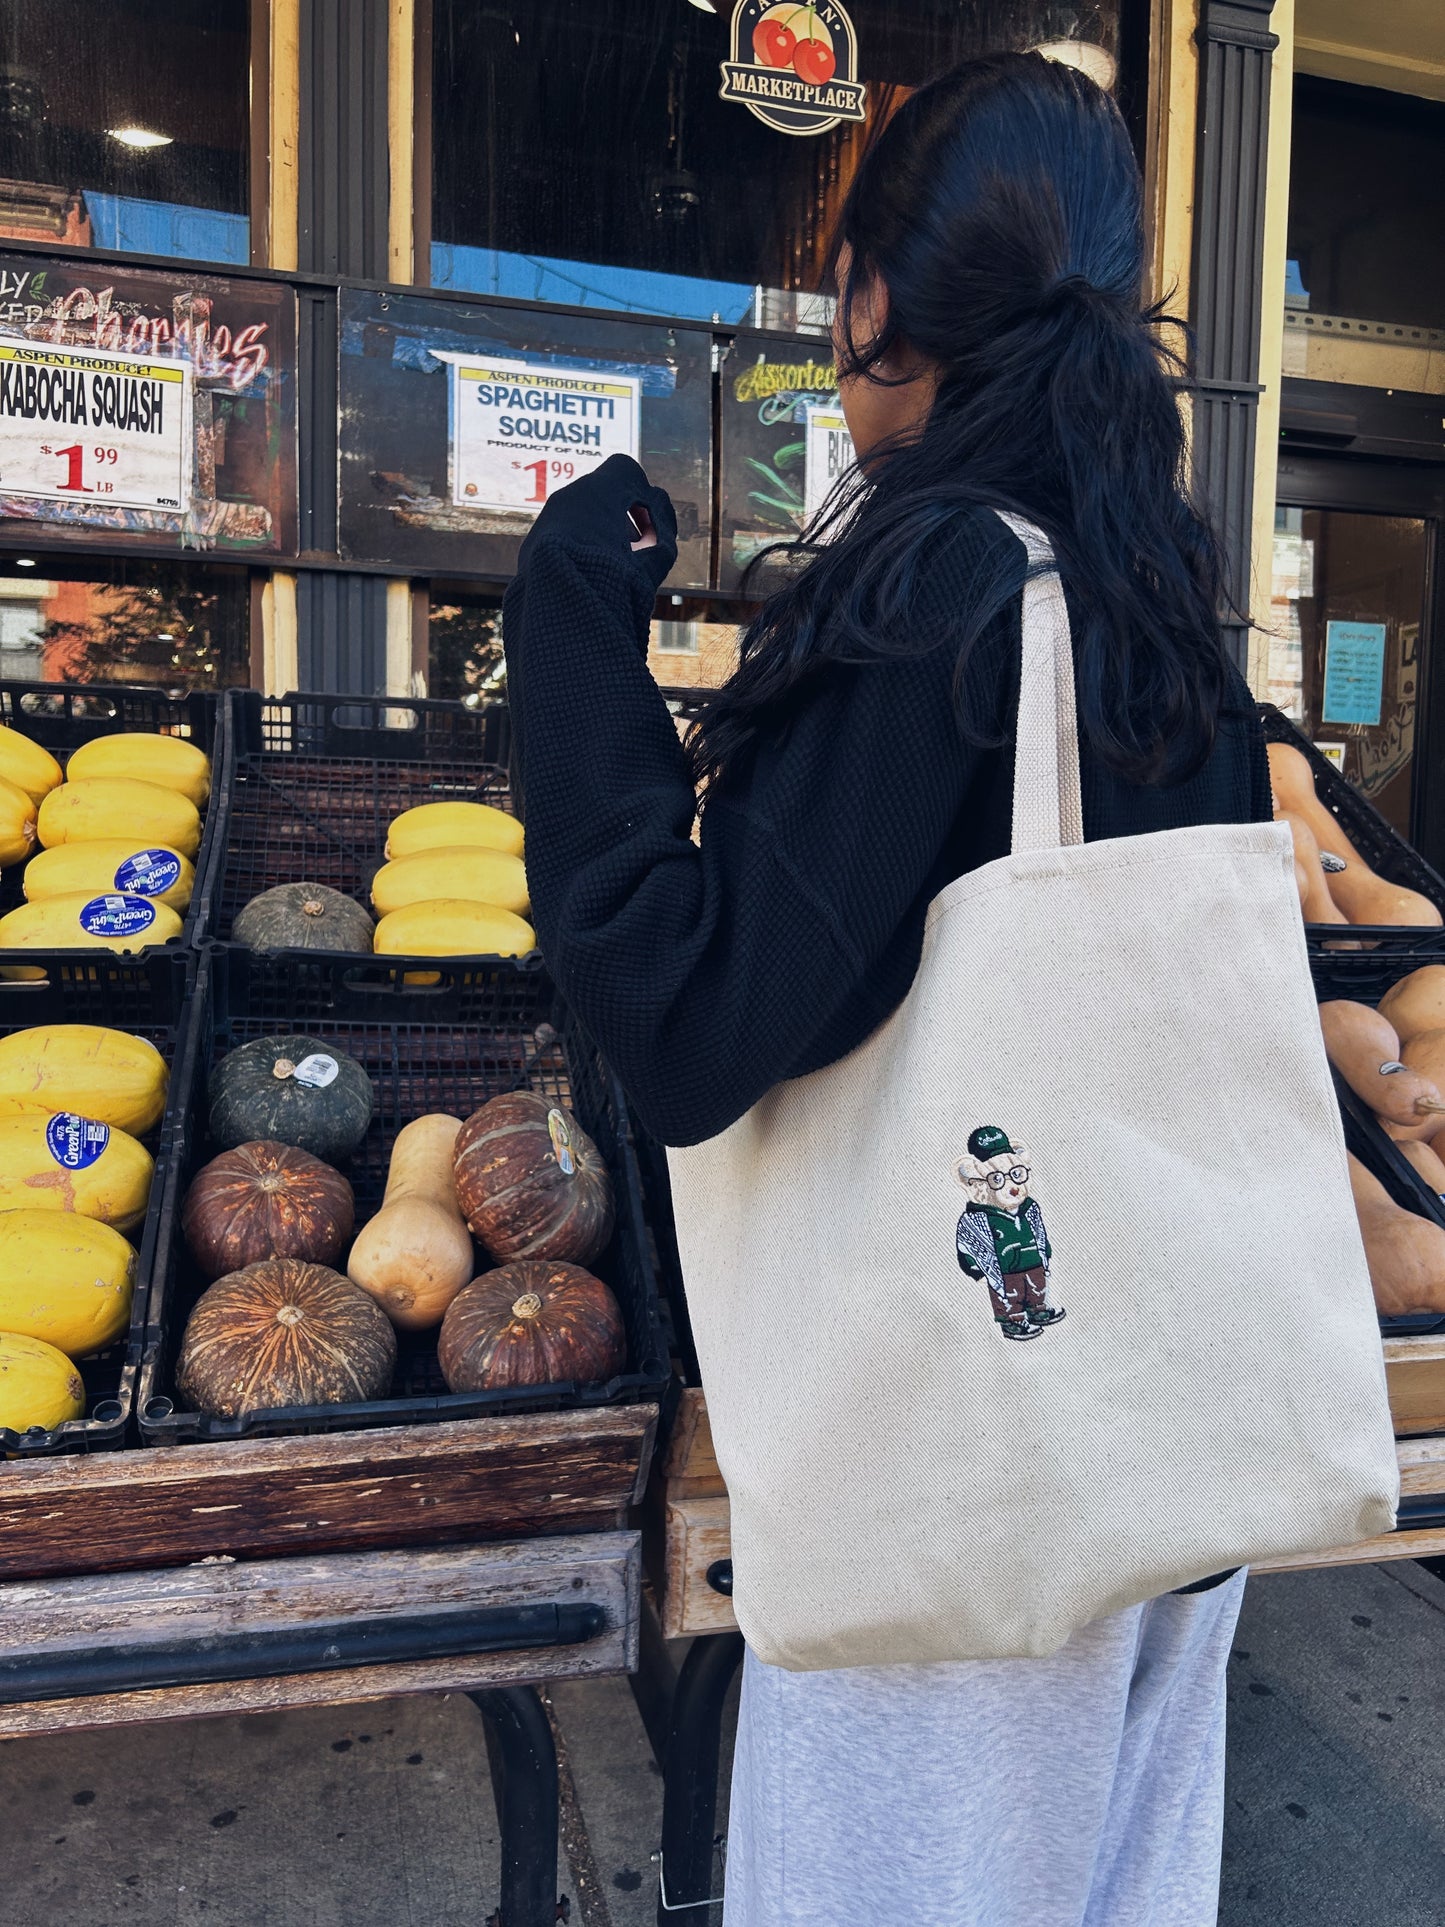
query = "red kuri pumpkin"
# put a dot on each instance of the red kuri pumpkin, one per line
(266, 1200)
(531, 1323)
(531, 1183)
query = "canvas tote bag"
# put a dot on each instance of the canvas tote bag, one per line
(1103, 1110)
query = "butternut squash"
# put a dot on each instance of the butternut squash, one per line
(1417, 1002)
(1293, 783)
(416, 1253)
(1364, 1049)
(1366, 897)
(1405, 1253)
(1425, 1055)
(1426, 1163)
(1315, 899)
(1361, 893)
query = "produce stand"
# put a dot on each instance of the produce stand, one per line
(422, 1541)
(426, 1539)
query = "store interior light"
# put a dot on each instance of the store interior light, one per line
(1090, 58)
(139, 137)
(165, 635)
(25, 561)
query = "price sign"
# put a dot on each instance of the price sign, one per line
(829, 453)
(110, 429)
(520, 429)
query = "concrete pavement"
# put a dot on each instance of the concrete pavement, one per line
(380, 1815)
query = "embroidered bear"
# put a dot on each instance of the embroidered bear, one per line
(1001, 1237)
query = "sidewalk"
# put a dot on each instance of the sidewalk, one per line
(380, 1815)
(1335, 1802)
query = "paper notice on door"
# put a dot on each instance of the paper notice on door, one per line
(1354, 672)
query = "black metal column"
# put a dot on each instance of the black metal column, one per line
(1235, 45)
(343, 184)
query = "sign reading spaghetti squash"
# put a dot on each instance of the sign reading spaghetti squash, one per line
(520, 429)
(78, 425)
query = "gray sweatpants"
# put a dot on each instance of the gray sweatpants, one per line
(1084, 1790)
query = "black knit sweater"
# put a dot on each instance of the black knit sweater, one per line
(708, 974)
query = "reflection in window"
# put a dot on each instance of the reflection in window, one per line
(583, 155)
(1364, 204)
(464, 653)
(1343, 650)
(694, 652)
(178, 626)
(123, 125)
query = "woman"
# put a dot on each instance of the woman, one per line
(992, 356)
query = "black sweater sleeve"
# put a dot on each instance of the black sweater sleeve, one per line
(708, 971)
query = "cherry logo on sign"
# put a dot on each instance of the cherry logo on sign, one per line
(795, 65)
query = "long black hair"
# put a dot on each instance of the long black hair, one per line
(1001, 210)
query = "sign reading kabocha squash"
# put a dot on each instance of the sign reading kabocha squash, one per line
(795, 66)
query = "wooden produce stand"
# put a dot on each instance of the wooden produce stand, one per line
(420, 1542)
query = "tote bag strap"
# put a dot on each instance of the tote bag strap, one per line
(1048, 807)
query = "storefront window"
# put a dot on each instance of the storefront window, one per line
(1364, 205)
(124, 125)
(693, 650)
(464, 652)
(178, 626)
(584, 155)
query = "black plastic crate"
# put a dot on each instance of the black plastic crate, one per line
(1383, 848)
(311, 785)
(109, 1376)
(417, 1067)
(62, 716)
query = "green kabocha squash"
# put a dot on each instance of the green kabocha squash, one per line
(303, 916)
(291, 1090)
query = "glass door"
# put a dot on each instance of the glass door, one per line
(1349, 596)
(1355, 649)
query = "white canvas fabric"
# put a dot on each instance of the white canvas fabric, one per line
(1134, 1021)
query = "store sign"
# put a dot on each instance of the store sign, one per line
(795, 66)
(115, 428)
(520, 430)
(145, 405)
(830, 454)
(1354, 672)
